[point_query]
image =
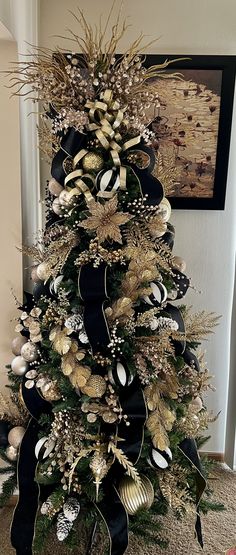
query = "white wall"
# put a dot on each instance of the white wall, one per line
(205, 239)
(10, 219)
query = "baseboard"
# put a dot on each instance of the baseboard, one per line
(214, 456)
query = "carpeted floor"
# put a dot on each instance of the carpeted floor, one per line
(219, 528)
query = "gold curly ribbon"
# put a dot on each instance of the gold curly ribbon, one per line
(77, 176)
(106, 117)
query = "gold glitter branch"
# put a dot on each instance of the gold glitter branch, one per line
(124, 461)
(199, 325)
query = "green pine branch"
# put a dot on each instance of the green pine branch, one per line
(8, 488)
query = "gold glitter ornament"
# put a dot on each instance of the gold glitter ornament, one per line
(95, 386)
(92, 161)
(136, 496)
(51, 394)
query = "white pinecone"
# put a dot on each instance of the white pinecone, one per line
(46, 507)
(63, 527)
(71, 508)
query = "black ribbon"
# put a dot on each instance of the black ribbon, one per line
(189, 449)
(176, 315)
(111, 508)
(115, 517)
(23, 524)
(70, 145)
(92, 290)
(150, 185)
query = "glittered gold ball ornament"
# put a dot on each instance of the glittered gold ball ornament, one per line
(15, 436)
(54, 187)
(92, 162)
(29, 351)
(42, 271)
(95, 386)
(178, 263)
(19, 366)
(134, 495)
(17, 344)
(34, 276)
(11, 453)
(52, 393)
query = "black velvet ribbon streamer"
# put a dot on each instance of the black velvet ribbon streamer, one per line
(92, 290)
(189, 449)
(70, 145)
(175, 314)
(150, 185)
(23, 524)
(111, 508)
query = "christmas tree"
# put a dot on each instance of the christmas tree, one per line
(106, 385)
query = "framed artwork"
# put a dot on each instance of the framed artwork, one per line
(192, 127)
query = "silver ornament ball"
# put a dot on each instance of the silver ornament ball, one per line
(34, 276)
(29, 351)
(54, 187)
(42, 271)
(56, 207)
(17, 344)
(19, 366)
(11, 453)
(15, 436)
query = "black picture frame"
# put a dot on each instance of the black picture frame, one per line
(226, 65)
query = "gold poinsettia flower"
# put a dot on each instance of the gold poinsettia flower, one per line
(60, 340)
(105, 220)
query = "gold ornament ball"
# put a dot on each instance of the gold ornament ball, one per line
(55, 188)
(19, 366)
(29, 351)
(136, 496)
(51, 394)
(178, 263)
(92, 162)
(15, 436)
(11, 453)
(17, 344)
(95, 386)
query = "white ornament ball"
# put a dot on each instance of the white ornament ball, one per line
(15, 436)
(56, 207)
(196, 404)
(34, 276)
(19, 366)
(65, 199)
(164, 209)
(11, 453)
(179, 263)
(29, 351)
(17, 344)
(42, 271)
(54, 187)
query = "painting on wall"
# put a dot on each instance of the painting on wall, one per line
(192, 127)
